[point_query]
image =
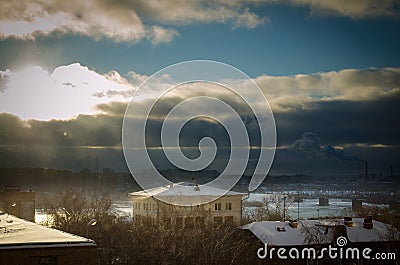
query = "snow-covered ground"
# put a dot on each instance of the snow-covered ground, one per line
(308, 208)
(121, 208)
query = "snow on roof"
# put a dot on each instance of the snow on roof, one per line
(180, 189)
(268, 233)
(22, 233)
(357, 233)
(316, 232)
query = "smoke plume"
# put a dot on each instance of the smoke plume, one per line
(310, 145)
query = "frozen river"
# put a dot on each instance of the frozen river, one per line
(309, 208)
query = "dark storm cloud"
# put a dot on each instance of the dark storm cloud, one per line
(89, 134)
(64, 144)
(85, 130)
(105, 129)
(334, 124)
(62, 157)
(198, 128)
(379, 160)
(331, 151)
(344, 122)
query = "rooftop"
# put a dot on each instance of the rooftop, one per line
(185, 193)
(184, 189)
(16, 232)
(317, 232)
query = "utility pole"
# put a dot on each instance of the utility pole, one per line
(298, 206)
(284, 209)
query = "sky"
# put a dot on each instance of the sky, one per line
(330, 71)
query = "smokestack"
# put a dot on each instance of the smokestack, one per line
(391, 170)
(366, 168)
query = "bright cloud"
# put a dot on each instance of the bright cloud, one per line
(34, 93)
(119, 21)
(123, 21)
(287, 93)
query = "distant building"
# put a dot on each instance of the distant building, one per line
(323, 201)
(18, 202)
(356, 205)
(23, 242)
(149, 209)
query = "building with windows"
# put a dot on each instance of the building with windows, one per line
(148, 208)
(18, 202)
(24, 242)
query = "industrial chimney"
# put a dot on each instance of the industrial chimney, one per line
(366, 169)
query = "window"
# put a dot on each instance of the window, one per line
(147, 221)
(179, 222)
(218, 220)
(199, 221)
(189, 222)
(228, 220)
(228, 206)
(167, 222)
(218, 206)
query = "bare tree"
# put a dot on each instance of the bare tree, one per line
(121, 242)
(271, 208)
